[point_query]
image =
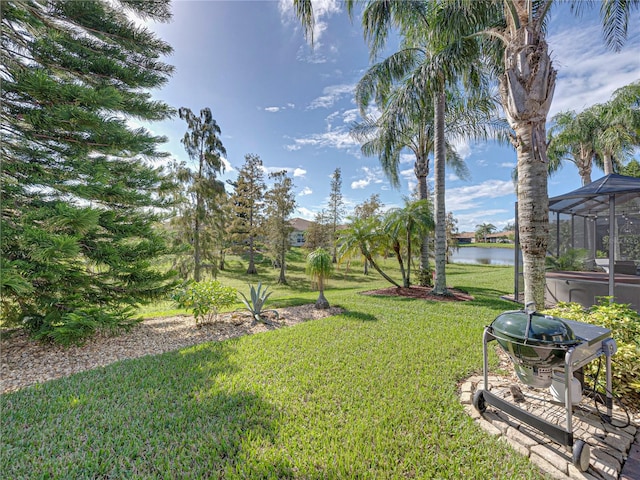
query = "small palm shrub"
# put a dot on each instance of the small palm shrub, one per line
(573, 260)
(624, 324)
(256, 301)
(319, 268)
(205, 299)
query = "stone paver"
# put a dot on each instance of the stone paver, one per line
(614, 448)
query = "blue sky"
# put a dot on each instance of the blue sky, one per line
(274, 96)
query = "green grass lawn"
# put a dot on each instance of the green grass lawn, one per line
(370, 393)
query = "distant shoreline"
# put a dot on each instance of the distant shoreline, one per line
(510, 246)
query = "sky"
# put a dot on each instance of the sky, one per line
(292, 105)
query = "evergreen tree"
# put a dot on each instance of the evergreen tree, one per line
(336, 210)
(80, 194)
(203, 190)
(280, 203)
(318, 235)
(248, 207)
(631, 169)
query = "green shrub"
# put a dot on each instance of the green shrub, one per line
(205, 299)
(73, 328)
(572, 260)
(624, 324)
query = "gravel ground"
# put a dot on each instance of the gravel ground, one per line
(24, 362)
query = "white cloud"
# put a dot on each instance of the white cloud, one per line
(463, 148)
(306, 213)
(275, 109)
(360, 183)
(332, 94)
(468, 197)
(588, 73)
(407, 158)
(322, 11)
(305, 191)
(299, 172)
(350, 116)
(334, 139)
(226, 165)
(370, 176)
(408, 174)
(508, 164)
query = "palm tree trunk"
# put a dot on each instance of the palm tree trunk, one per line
(608, 164)
(527, 89)
(421, 169)
(407, 282)
(440, 287)
(584, 168)
(322, 303)
(396, 249)
(379, 270)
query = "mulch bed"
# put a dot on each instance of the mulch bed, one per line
(424, 293)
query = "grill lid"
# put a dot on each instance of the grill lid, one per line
(542, 330)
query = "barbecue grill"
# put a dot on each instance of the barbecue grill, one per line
(545, 351)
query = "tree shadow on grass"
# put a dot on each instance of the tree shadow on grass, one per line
(491, 298)
(359, 316)
(191, 412)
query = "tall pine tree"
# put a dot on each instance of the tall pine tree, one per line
(336, 210)
(248, 207)
(80, 191)
(280, 203)
(204, 192)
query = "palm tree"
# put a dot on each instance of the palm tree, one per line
(427, 67)
(414, 220)
(572, 137)
(485, 229)
(362, 235)
(407, 123)
(319, 268)
(619, 132)
(527, 81)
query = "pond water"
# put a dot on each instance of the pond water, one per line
(483, 256)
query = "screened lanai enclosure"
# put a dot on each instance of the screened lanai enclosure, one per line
(594, 244)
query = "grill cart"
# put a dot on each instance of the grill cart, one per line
(545, 352)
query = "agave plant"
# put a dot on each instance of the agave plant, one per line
(255, 304)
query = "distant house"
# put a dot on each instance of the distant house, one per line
(501, 237)
(300, 226)
(465, 238)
